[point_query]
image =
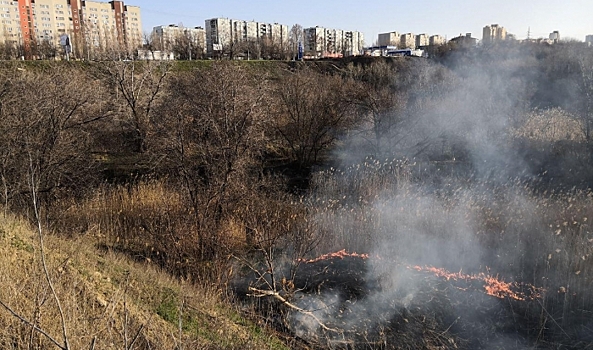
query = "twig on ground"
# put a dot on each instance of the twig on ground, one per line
(269, 293)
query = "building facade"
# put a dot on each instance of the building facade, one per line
(589, 39)
(555, 36)
(407, 41)
(422, 40)
(465, 40)
(388, 39)
(30, 24)
(172, 37)
(493, 33)
(323, 42)
(224, 33)
(436, 40)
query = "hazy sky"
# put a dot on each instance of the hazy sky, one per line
(573, 18)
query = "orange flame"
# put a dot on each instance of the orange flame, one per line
(341, 255)
(493, 285)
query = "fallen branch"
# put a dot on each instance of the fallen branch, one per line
(269, 293)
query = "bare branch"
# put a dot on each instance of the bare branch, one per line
(32, 325)
(268, 293)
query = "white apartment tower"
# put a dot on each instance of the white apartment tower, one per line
(407, 41)
(166, 37)
(324, 43)
(224, 32)
(422, 40)
(436, 40)
(493, 33)
(389, 39)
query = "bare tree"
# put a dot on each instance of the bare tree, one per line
(188, 44)
(46, 119)
(312, 112)
(211, 138)
(137, 86)
(296, 37)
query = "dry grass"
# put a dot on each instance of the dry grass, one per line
(551, 125)
(509, 229)
(109, 299)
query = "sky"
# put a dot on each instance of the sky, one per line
(573, 18)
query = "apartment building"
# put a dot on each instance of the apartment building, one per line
(555, 36)
(106, 25)
(388, 39)
(10, 22)
(30, 23)
(407, 41)
(589, 39)
(221, 33)
(165, 37)
(493, 33)
(323, 42)
(422, 40)
(436, 40)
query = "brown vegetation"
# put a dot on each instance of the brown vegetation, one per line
(233, 169)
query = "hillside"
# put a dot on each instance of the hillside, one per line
(109, 301)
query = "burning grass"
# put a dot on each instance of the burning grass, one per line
(523, 255)
(337, 300)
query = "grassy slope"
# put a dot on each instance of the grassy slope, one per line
(109, 298)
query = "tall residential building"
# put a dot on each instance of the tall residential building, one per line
(353, 43)
(555, 36)
(589, 39)
(407, 41)
(422, 40)
(493, 33)
(29, 23)
(388, 39)
(166, 37)
(436, 40)
(324, 42)
(221, 33)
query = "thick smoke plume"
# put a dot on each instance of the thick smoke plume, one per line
(464, 189)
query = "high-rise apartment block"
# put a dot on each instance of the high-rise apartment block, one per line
(165, 38)
(422, 40)
(493, 33)
(221, 33)
(407, 41)
(388, 39)
(324, 42)
(28, 23)
(589, 39)
(436, 40)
